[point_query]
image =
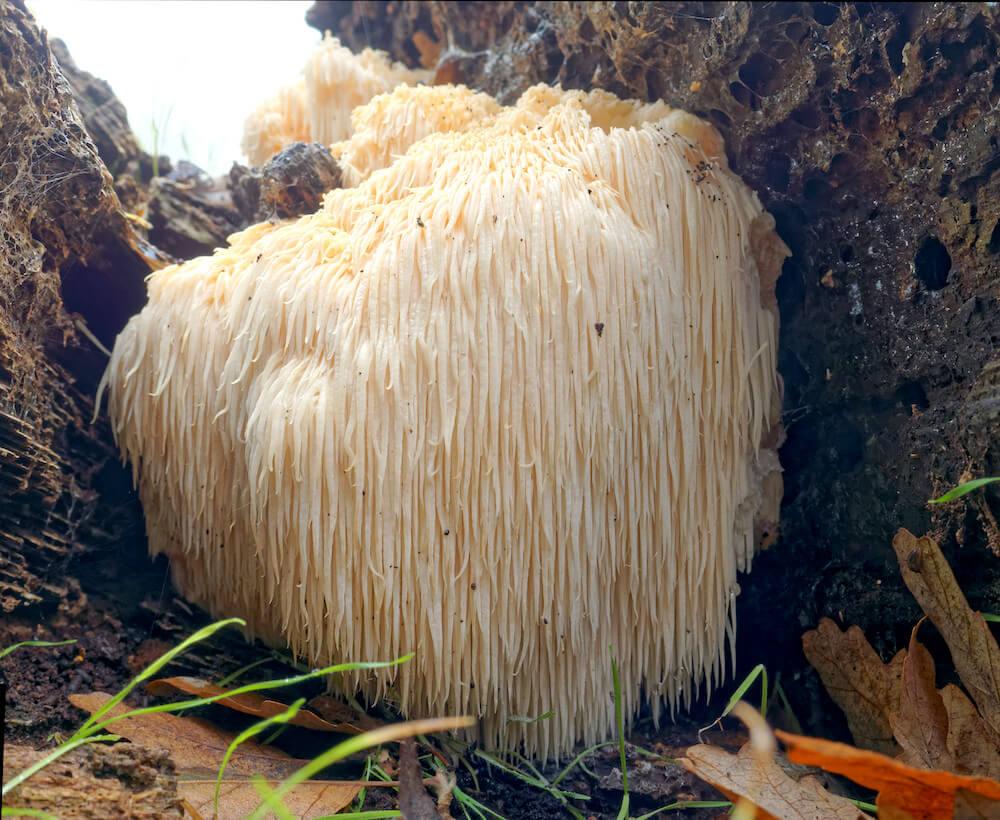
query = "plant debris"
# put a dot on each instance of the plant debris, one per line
(921, 746)
(239, 798)
(195, 745)
(251, 704)
(756, 775)
(904, 791)
(866, 689)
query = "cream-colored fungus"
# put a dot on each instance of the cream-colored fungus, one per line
(508, 402)
(317, 108)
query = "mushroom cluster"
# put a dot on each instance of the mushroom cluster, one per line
(508, 401)
(317, 107)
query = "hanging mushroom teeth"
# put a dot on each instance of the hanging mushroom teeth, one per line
(509, 401)
(317, 108)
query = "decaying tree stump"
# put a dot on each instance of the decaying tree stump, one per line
(65, 246)
(97, 782)
(289, 184)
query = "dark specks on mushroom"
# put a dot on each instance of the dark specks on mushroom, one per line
(420, 222)
(599, 327)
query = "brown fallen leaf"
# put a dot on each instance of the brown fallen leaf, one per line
(865, 689)
(336, 711)
(973, 648)
(754, 776)
(903, 791)
(767, 787)
(194, 744)
(970, 806)
(239, 798)
(920, 724)
(248, 703)
(969, 739)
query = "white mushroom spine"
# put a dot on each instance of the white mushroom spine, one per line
(503, 404)
(318, 106)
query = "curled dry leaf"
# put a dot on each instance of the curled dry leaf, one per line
(239, 798)
(250, 703)
(766, 786)
(970, 741)
(197, 748)
(920, 724)
(866, 689)
(195, 745)
(754, 775)
(903, 791)
(899, 701)
(973, 648)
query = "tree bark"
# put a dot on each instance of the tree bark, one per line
(98, 782)
(65, 249)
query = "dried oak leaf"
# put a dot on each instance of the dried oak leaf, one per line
(766, 785)
(247, 703)
(239, 798)
(903, 791)
(969, 806)
(921, 722)
(973, 648)
(970, 741)
(195, 745)
(865, 689)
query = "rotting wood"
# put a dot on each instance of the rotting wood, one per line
(98, 782)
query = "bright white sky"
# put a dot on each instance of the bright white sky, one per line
(195, 68)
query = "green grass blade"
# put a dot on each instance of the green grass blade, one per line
(964, 489)
(359, 801)
(531, 767)
(989, 616)
(272, 800)
(248, 688)
(741, 690)
(244, 736)
(10, 811)
(239, 673)
(374, 814)
(576, 761)
(92, 723)
(466, 799)
(620, 725)
(8, 650)
(687, 804)
(511, 770)
(358, 743)
(528, 721)
(757, 672)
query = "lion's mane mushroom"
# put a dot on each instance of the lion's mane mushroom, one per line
(507, 402)
(317, 108)
(384, 128)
